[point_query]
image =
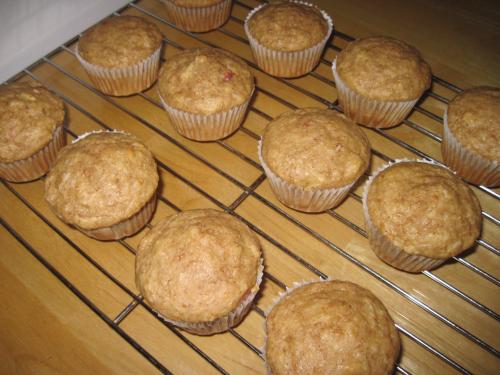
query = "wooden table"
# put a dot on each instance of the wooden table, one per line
(70, 304)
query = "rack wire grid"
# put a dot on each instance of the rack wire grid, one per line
(446, 317)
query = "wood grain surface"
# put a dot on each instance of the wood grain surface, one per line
(70, 304)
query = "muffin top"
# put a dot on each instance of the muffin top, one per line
(315, 148)
(101, 179)
(119, 42)
(194, 3)
(383, 68)
(197, 266)
(474, 119)
(29, 114)
(424, 209)
(288, 26)
(205, 81)
(331, 327)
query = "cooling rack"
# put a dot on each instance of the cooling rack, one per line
(447, 318)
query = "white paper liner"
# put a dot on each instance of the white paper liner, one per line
(470, 166)
(126, 227)
(123, 81)
(198, 19)
(287, 64)
(383, 247)
(298, 198)
(36, 165)
(206, 127)
(223, 323)
(370, 112)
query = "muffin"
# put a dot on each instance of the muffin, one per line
(379, 80)
(471, 139)
(419, 214)
(198, 15)
(287, 38)
(121, 55)
(200, 270)
(31, 131)
(210, 108)
(312, 158)
(330, 327)
(104, 184)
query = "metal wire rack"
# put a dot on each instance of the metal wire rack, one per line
(424, 125)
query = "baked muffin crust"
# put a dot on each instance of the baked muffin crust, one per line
(474, 120)
(29, 114)
(101, 180)
(424, 209)
(197, 266)
(288, 26)
(332, 327)
(384, 68)
(205, 81)
(120, 42)
(315, 148)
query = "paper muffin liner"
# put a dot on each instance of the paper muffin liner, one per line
(206, 127)
(225, 322)
(126, 80)
(383, 247)
(370, 112)
(470, 166)
(288, 64)
(298, 198)
(198, 19)
(36, 165)
(126, 227)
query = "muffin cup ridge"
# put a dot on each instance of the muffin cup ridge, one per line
(223, 323)
(370, 112)
(288, 64)
(383, 247)
(199, 19)
(206, 127)
(298, 198)
(470, 166)
(36, 165)
(126, 227)
(126, 80)
(85, 135)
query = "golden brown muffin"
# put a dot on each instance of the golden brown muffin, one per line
(384, 68)
(287, 38)
(198, 15)
(121, 54)
(227, 81)
(471, 142)
(418, 215)
(199, 269)
(330, 327)
(313, 150)
(104, 184)
(288, 26)
(31, 130)
(379, 79)
(120, 42)
(218, 101)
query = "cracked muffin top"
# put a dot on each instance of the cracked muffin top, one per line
(205, 81)
(315, 148)
(383, 68)
(29, 115)
(119, 42)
